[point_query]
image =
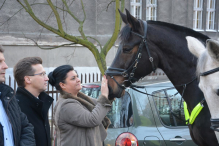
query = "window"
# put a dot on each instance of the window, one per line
(136, 8)
(210, 15)
(91, 90)
(197, 14)
(121, 114)
(151, 11)
(168, 104)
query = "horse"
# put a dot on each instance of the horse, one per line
(208, 73)
(146, 46)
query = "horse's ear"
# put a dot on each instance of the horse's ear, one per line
(195, 46)
(123, 16)
(133, 22)
(213, 48)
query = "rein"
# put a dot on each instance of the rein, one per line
(129, 73)
(209, 72)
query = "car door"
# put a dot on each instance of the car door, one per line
(119, 116)
(171, 126)
(144, 127)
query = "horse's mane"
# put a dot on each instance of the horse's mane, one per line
(126, 31)
(185, 30)
(188, 32)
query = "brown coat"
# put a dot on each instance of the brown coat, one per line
(79, 122)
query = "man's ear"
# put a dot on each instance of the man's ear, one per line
(27, 80)
(62, 85)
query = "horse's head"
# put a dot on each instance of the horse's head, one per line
(132, 59)
(207, 70)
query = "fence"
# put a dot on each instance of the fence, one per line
(85, 78)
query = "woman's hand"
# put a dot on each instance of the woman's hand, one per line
(104, 87)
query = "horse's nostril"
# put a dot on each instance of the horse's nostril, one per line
(218, 92)
(126, 83)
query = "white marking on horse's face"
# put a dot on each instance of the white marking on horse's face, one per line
(208, 84)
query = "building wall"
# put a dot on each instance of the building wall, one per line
(99, 24)
(180, 12)
(77, 56)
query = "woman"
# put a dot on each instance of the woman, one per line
(77, 117)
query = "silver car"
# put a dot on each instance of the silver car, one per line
(138, 119)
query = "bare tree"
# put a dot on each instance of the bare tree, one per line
(61, 8)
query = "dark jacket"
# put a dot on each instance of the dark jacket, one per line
(22, 130)
(36, 111)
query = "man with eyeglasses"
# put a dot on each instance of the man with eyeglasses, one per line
(15, 129)
(34, 102)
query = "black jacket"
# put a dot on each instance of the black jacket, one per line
(37, 113)
(22, 130)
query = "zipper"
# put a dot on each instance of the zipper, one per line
(11, 123)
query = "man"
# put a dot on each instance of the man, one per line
(15, 130)
(34, 102)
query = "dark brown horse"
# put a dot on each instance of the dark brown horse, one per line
(146, 46)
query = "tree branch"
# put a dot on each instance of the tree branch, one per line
(117, 27)
(29, 10)
(82, 5)
(45, 22)
(68, 10)
(81, 23)
(96, 41)
(100, 57)
(109, 4)
(2, 4)
(57, 17)
(48, 48)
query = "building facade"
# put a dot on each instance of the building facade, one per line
(200, 15)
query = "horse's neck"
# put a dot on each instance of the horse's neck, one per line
(180, 69)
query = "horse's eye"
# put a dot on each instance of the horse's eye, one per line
(218, 92)
(126, 50)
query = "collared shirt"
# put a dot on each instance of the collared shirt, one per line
(7, 129)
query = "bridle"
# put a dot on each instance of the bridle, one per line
(214, 122)
(130, 72)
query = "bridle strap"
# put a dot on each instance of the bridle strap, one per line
(146, 45)
(111, 71)
(150, 57)
(118, 83)
(209, 72)
(215, 124)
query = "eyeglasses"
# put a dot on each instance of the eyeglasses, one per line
(42, 74)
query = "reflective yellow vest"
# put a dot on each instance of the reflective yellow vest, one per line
(191, 118)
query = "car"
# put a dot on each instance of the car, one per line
(137, 119)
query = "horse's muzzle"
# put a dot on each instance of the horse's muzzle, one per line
(117, 94)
